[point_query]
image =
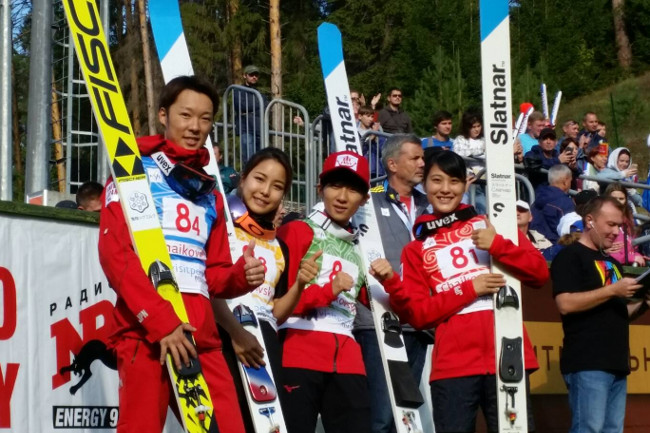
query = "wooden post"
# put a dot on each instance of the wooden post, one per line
(276, 65)
(146, 56)
(59, 154)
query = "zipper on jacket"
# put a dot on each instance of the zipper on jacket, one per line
(336, 350)
(135, 352)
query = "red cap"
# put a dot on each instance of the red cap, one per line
(350, 161)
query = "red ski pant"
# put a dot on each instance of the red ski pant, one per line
(145, 389)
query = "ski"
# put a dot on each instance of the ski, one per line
(544, 96)
(556, 107)
(404, 393)
(522, 123)
(508, 322)
(259, 385)
(190, 388)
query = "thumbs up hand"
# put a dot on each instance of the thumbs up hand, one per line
(254, 268)
(308, 269)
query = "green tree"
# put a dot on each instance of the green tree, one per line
(441, 87)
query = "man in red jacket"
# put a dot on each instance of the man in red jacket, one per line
(145, 327)
(447, 285)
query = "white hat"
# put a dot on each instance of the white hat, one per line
(568, 220)
(523, 205)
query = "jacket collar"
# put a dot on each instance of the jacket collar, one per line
(420, 200)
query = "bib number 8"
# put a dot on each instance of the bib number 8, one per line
(184, 222)
(459, 259)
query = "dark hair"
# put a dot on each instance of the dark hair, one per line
(624, 151)
(582, 198)
(616, 186)
(594, 206)
(439, 116)
(344, 177)
(392, 89)
(467, 121)
(449, 162)
(366, 110)
(170, 92)
(88, 191)
(566, 142)
(274, 154)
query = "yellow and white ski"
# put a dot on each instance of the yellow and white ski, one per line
(190, 388)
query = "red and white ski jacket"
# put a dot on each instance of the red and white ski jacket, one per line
(318, 349)
(436, 291)
(139, 311)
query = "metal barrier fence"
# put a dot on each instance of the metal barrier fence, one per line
(242, 127)
(315, 159)
(287, 128)
(250, 123)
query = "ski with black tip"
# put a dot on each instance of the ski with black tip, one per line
(259, 385)
(404, 393)
(190, 388)
(501, 198)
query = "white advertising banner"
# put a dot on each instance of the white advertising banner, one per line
(56, 374)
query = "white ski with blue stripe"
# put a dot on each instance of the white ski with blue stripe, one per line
(394, 359)
(544, 95)
(501, 196)
(174, 57)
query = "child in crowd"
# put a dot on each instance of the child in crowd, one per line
(371, 144)
(622, 248)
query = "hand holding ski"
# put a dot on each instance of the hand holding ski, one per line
(179, 347)
(248, 349)
(488, 284)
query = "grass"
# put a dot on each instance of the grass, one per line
(630, 110)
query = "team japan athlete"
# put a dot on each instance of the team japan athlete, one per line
(144, 326)
(447, 285)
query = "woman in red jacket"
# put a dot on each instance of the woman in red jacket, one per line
(447, 285)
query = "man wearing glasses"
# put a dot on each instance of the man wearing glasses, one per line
(391, 118)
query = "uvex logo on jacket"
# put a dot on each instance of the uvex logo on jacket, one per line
(441, 222)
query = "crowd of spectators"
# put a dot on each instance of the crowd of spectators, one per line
(557, 167)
